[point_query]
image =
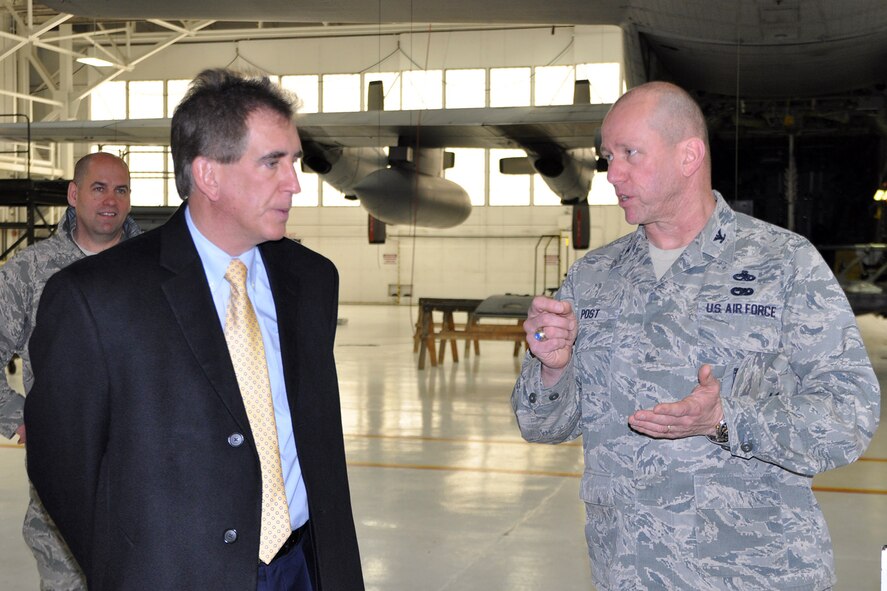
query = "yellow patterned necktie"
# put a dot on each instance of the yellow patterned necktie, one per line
(248, 356)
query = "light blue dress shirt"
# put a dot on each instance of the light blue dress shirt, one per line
(215, 264)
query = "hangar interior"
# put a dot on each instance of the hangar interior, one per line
(446, 495)
(517, 238)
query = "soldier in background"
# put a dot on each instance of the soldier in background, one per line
(97, 219)
(712, 365)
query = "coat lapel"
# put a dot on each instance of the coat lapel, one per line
(187, 292)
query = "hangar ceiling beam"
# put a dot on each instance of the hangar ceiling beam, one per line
(189, 31)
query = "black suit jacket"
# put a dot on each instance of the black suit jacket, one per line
(138, 441)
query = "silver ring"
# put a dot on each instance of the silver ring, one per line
(539, 335)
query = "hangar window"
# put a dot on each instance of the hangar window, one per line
(553, 85)
(175, 92)
(390, 89)
(542, 193)
(465, 89)
(469, 172)
(309, 196)
(423, 89)
(108, 101)
(604, 80)
(146, 99)
(508, 189)
(172, 193)
(602, 192)
(340, 93)
(307, 88)
(147, 174)
(510, 87)
(332, 197)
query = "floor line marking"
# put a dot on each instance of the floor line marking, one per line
(448, 439)
(465, 469)
(834, 489)
(864, 491)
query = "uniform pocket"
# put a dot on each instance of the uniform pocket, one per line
(601, 520)
(739, 528)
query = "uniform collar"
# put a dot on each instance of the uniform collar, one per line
(716, 240)
(69, 223)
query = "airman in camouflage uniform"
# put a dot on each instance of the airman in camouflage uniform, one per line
(747, 328)
(101, 194)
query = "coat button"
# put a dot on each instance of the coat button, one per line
(553, 397)
(532, 398)
(747, 447)
(235, 439)
(230, 536)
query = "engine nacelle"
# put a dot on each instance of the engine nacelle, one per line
(569, 174)
(405, 197)
(343, 167)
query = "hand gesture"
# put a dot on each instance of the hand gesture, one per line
(697, 414)
(551, 331)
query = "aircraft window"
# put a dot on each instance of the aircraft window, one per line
(307, 88)
(554, 85)
(423, 89)
(605, 79)
(465, 89)
(509, 87)
(341, 93)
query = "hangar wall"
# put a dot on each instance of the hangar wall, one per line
(498, 249)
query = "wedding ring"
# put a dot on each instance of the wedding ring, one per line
(539, 335)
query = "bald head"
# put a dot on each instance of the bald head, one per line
(81, 169)
(673, 112)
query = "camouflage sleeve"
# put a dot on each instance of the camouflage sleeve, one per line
(15, 300)
(816, 404)
(547, 415)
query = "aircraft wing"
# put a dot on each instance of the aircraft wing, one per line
(568, 126)
(130, 131)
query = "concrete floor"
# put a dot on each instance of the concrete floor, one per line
(447, 497)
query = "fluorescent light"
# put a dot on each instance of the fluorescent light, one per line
(95, 61)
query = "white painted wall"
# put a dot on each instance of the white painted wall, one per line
(497, 250)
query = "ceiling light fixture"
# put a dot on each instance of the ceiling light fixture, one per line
(96, 62)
